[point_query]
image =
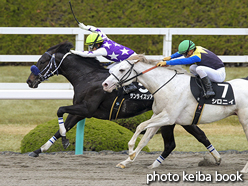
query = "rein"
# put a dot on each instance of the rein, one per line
(166, 82)
(48, 68)
(122, 80)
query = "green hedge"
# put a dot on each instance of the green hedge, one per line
(125, 13)
(99, 135)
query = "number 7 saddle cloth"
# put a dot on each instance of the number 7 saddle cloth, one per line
(223, 92)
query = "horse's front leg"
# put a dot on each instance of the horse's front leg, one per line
(77, 109)
(70, 122)
(131, 144)
(157, 121)
(147, 136)
(132, 141)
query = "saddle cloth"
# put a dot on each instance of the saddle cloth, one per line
(141, 93)
(223, 92)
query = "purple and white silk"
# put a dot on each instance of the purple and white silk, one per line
(115, 51)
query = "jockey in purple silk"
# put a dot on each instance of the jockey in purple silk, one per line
(100, 45)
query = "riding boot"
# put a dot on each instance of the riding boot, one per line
(129, 88)
(209, 88)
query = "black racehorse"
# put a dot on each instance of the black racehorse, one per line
(86, 75)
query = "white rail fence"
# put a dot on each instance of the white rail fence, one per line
(65, 90)
(18, 91)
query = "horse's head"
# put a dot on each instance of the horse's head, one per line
(48, 64)
(121, 75)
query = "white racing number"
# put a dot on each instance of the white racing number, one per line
(225, 89)
(142, 90)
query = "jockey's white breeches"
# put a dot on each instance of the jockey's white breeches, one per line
(218, 75)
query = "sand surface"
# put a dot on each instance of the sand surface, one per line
(92, 168)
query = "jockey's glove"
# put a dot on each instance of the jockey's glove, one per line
(81, 25)
(75, 52)
(167, 58)
(161, 64)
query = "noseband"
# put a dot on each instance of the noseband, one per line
(47, 71)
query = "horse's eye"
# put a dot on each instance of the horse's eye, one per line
(121, 70)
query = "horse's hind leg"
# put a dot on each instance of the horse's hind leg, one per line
(202, 138)
(243, 118)
(70, 122)
(169, 144)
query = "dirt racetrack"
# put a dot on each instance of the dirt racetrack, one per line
(98, 168)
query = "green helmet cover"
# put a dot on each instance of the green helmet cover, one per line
(93, 38)
(185, 46)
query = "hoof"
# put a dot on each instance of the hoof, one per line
(65, 143)
(244, 171)
(150, 167)
(33, 154)
(132, 156)
(121, 166)
(218, 162)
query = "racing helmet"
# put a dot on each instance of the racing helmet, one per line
(185, 46)
(93, 38)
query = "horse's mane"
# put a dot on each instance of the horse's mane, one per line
(63, 47)
(93, 62)
(142, 58)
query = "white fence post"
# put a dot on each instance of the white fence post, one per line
(167, 44)
(79, 42)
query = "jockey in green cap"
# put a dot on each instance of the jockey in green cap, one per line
(207, 64)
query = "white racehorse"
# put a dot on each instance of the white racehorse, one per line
(173, 100)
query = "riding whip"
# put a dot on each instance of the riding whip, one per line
(73, 12)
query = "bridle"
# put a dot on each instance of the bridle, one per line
(125, 78)
(47, 72)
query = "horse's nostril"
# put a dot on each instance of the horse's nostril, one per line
(105, 84)
(29, 82)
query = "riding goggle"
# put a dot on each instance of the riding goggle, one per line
(185, 54)
(90, 47)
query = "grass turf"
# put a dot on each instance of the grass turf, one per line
(18, 117)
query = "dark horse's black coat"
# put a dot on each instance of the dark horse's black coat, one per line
(86, 75)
